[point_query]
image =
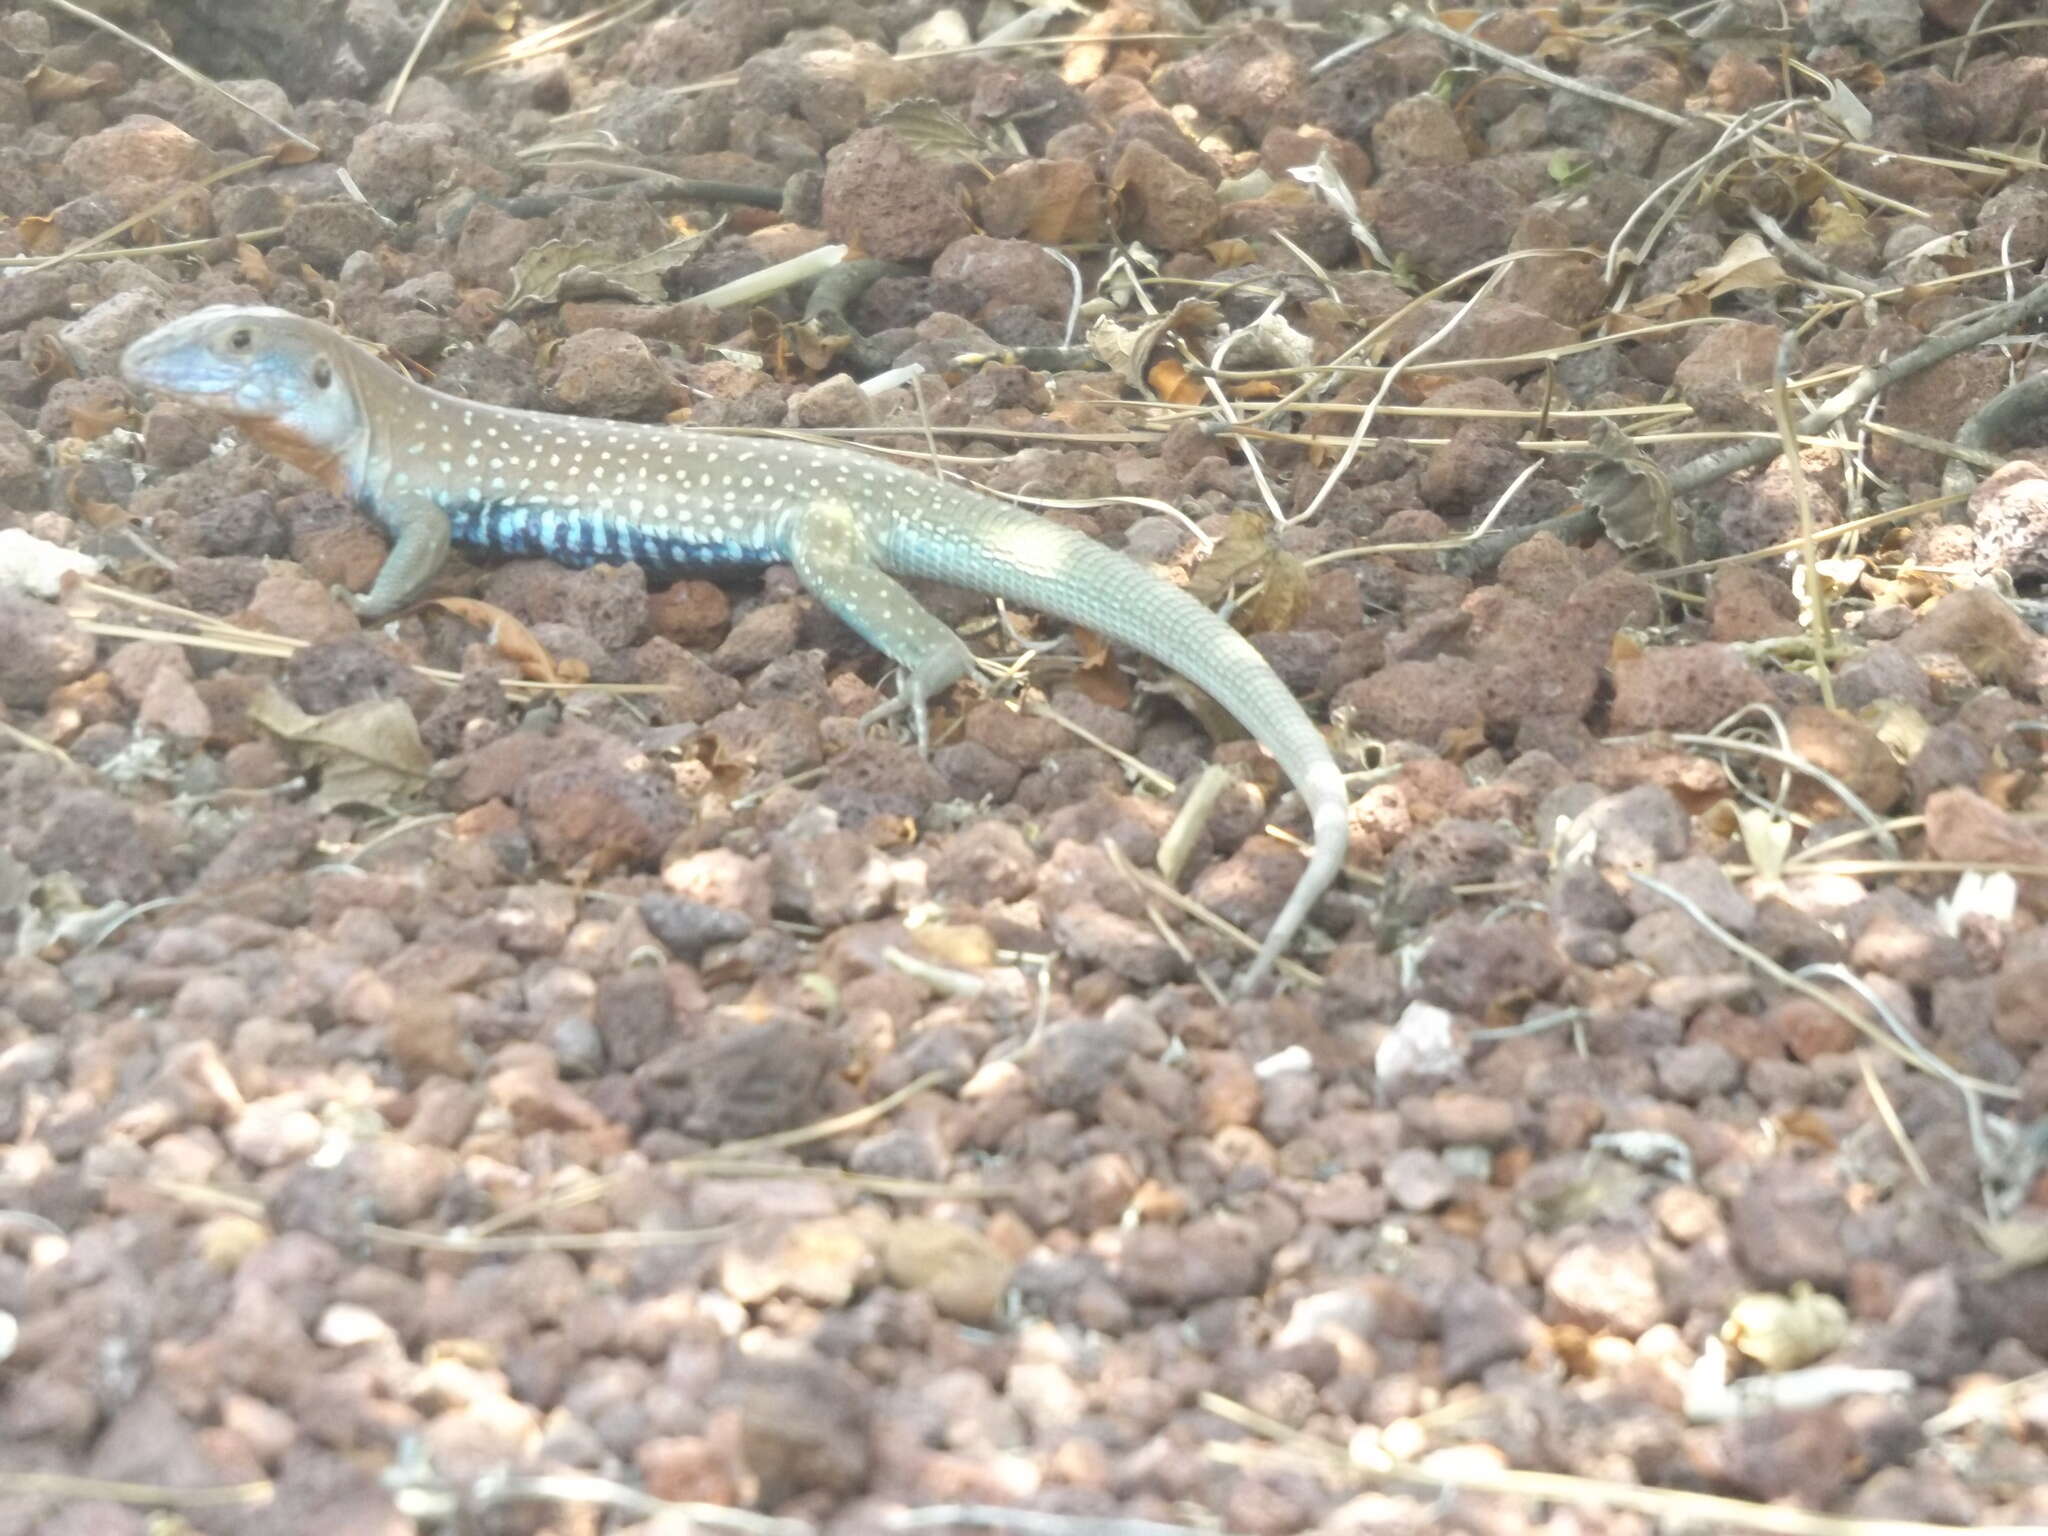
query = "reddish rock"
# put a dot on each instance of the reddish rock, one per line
(1682, 688)
(1608, 1284)
(1418, 133)
(2009, 510)
(1977, 626)
(889, 201)
(1159, 201)
(1726, 377)
(1436, 703)
(610, 373)
(1962, 825)
(1847, 750)
(1749, 604)
(41, 649)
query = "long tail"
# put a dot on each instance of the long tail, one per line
(988, 546)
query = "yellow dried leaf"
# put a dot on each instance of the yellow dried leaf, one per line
(1170, 381)
(39, 235)
(253, 265)
(1783, 1333)
(1836, 223)
(1282, 598)
(961, 946)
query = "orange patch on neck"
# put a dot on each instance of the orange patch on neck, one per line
(295, 451)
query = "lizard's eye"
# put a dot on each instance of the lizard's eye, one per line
(323, 374)
(240, 339)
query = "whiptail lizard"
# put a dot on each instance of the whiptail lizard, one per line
(435, 470)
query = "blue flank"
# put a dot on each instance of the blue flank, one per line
(582, 539)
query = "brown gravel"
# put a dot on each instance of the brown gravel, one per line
(670, 1087)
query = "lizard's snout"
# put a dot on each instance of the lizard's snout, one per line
(142, 364)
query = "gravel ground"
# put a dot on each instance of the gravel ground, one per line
(537, 1066)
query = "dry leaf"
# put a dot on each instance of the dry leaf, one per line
(253, 265)
(1777, 187)
(1747, 263)
(510, 638)
(813, 347)
(962, 946)
(477, 18)
(1270, 342)
(2020, 1244)
(1095, 655)
(1127, 349)
(1087, 56)
(368, 753)
(1283, 598)
(91, 420)
(1835, 224)
(1766, 838)
(47, 86)
(1901, 727)
(1630, 494)
(935, 132)
(562, 270)
(1783, 1333)
(1170, 380)
(38, 235)
(1238, 557)
(1846, 108)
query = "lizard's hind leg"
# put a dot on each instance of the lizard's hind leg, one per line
(833, 561)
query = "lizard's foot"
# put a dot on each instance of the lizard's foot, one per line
(908, 697)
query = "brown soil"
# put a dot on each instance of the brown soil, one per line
(430, 1100)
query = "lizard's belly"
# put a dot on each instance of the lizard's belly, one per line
(582, 538)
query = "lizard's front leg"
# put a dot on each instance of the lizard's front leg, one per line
(834, 562)
(420, 537)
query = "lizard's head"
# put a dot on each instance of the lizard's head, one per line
(269, 369)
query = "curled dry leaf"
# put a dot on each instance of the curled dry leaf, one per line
(95, 418)
(1170, 380)
(1087, 57)
(1128, 349)
(1747, 263)
(47, 86)
(510, 638)
(1269, 342)
(1630, 494)
(1782, 1333)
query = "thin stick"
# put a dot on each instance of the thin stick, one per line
(133, 219)
(1669, 1506)
(404, 76)
(1402, 16)
(61, 1485)
(1802, 499)
(80, 13)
